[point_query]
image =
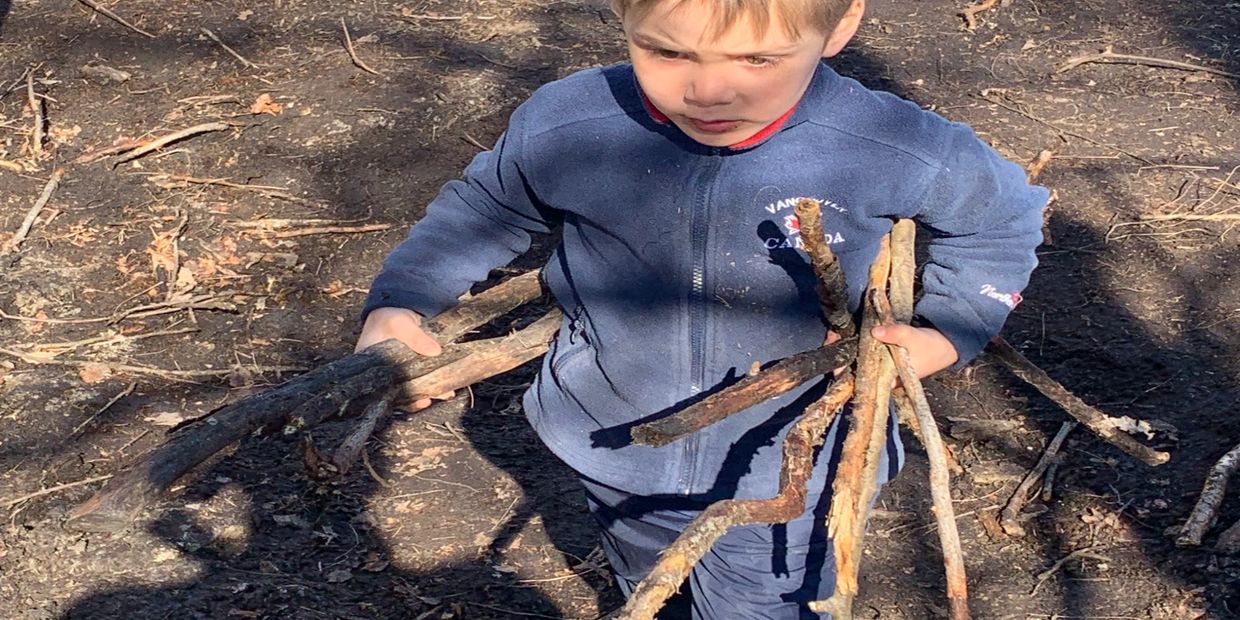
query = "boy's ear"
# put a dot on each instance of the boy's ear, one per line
(844, 30)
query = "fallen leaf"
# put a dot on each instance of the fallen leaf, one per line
(265, 105)
(165, 418)
(94, 372)
(339, 575)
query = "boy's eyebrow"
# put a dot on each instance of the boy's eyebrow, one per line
(649, 40)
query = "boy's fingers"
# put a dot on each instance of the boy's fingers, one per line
(894, 334)
(445, 396)
(423, 344)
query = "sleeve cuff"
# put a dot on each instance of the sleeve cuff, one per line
(957, 322)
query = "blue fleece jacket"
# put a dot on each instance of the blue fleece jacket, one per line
(680, 264)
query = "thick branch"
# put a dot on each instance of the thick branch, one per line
(1098, 422)
(1206, 511)
(779, 378)
(300, 402)
(678, 560)
(851, 492)
(831, 287)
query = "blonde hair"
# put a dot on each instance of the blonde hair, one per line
(822, 15)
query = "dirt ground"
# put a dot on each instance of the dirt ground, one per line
(473, 518)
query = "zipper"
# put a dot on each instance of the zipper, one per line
(577, 341)
(699, 224)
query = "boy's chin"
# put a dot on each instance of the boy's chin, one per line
(718, 139)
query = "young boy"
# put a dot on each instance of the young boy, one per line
(673, 179)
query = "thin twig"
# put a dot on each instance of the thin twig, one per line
(245, 61)
(175, 375)
(1086, 552)
(159, 143)
(1064, 132)
(1205, 513)
(940, 477)
(348, 46)
(1035, 169)
(125, 392)
(1010, 517)
(1192, 217)
(969, 13)
(36, 109)
(322, 230)
(48, 491)
(1107, 56)
(116, 18)
(174, 181)
(13, 244)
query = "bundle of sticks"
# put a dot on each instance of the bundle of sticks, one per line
(867, 369)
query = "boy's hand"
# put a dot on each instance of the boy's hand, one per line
(929, 349)
(405, 326)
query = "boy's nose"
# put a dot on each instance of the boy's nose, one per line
(709, 89)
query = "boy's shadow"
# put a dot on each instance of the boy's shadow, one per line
(267, 542)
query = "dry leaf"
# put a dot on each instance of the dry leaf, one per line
(162, 251)
(165, 418)
(339, 575)
(265, 105)
(94, 372)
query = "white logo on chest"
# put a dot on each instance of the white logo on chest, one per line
(792, 225)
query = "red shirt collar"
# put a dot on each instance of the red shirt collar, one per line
(753, 140)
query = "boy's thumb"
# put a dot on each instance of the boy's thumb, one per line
(892, 334)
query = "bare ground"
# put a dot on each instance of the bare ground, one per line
(473, 518)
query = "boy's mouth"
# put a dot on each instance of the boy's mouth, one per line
(720, 126)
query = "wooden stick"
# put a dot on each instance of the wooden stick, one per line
(940, 477)
(153, 145)
(1107, 56)
(678, 560)
(306, 400)
(1100, 423)
(355, 442)
(903, 272)
(766, 384)
(13, 244)
(1192, 217)
(169, 181)
(115, 399)
(831, 286)
(505, 355)
(1205, 513)
(116, 18)
(1038, 165)
(348, 46)
(244, 61)
(48, 491)
(322, 230)
(1009, 519)
(969, 13)
(135, 369)
(36, 109)
(851, 492)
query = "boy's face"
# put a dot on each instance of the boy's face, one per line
(722, 90)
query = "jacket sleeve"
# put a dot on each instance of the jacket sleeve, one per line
(986, 222)
(474, 225)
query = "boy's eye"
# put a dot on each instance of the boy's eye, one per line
(666, 54)
(759, 61)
